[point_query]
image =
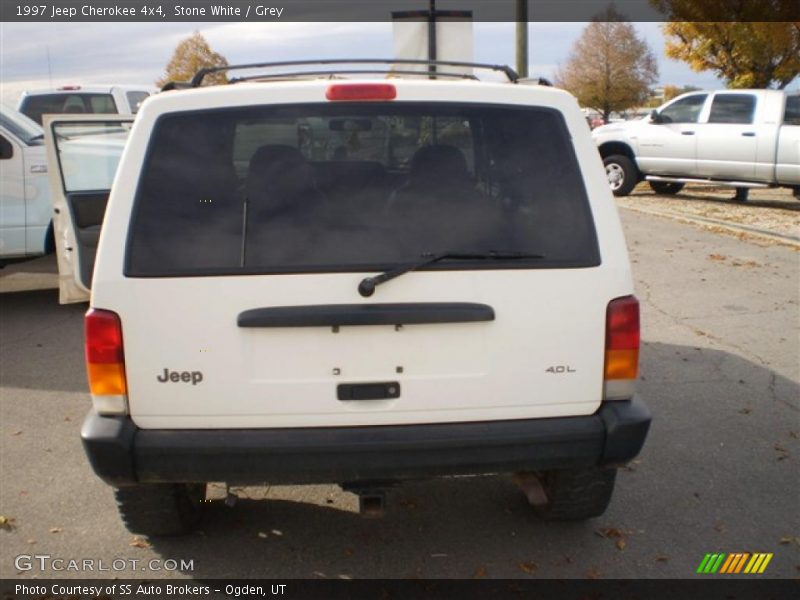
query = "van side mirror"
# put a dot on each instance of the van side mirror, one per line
(655, 117)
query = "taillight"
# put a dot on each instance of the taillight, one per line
(105, 361)
(361, 91)
(622, 348)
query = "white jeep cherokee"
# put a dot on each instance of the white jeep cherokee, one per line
(357, 281)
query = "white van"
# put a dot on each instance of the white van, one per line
(83, 99)
(428, 277)
(25, 210)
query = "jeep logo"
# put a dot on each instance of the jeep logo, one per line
(176, 376)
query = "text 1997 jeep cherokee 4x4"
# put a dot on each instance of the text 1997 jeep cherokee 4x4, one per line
(360, 281)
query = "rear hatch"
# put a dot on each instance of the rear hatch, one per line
(253, 226)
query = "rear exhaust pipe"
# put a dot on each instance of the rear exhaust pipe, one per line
(531, 486)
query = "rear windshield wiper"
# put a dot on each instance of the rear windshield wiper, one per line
(367, 286)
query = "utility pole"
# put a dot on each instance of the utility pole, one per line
(522, 38)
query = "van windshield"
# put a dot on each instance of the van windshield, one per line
(358, 187)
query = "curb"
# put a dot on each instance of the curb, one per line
(789, 240)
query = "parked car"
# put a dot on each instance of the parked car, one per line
(737, 138)
(25, 210)
(82, 99)
(360, 282)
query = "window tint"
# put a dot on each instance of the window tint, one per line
(135, 99)
(732, 108)
(355, 187)
(67, 102)
(685, 110)
(792, 114)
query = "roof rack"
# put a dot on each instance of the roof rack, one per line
(432, 64)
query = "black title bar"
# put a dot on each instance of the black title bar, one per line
(381, 10)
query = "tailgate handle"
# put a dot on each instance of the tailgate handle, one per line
(368, 391)
(335, 315)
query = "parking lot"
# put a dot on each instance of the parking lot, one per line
(719, 472)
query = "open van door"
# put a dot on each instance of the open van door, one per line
(83, 153)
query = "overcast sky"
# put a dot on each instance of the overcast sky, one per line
(138, 52)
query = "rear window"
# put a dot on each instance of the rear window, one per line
(135, 100)
(792, 113)
(732, 108)
(68, 102)
(357, 186)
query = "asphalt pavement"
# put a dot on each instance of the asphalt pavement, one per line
(719, 472)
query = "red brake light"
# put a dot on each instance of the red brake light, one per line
(103, 337)
(361, 91)
(622, 339)
(69, 88)
(622, 324)
(105, 361)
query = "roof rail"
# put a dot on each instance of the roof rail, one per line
(512, 76)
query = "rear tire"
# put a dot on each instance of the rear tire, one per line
(576, 494)
(666, 187)
(156, 509)
(621, 173)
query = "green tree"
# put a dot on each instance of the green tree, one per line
(191, 55)
(609, 68)
(739, 41)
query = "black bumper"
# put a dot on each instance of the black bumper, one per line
(123, 454)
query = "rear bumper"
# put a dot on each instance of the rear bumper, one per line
(122, 454)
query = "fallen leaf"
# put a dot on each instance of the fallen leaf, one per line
(528, 567)
(717, 256)
(68, 418)
(621, 543)
(31, 541)
(16, 432)
(6, 523)
(593, 574)
(720, 527)
(348, 551)
(139, 543)
(480, 572)
(609, 532)
(662, 558)
(745, 411)
(793, 434)
(789, 539)
(780, 448)
(56, 530)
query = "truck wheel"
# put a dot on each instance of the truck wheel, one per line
(154, 509)
(666, 187)
(622, 174)
(796, 192)
(576, 494)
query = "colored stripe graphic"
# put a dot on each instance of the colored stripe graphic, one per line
(764, 564)
(703, 563)
(737, 562)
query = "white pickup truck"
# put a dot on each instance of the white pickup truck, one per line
(737, 138)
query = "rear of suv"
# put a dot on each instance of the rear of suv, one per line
(327, 280)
